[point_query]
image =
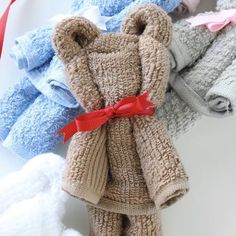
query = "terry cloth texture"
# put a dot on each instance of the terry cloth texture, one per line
(177, 116)
(205, 72)
(13, 103)
(114, 224)
(34, 132)
(188, 44)
(225, 4)
(33, 51)
(174, 113)
(112, 67)
(32, 198)
(219, 55)
(118, 10)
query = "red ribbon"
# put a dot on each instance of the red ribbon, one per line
(127, 107)
(3, 23)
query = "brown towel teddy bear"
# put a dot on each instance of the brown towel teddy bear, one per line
(126, 169)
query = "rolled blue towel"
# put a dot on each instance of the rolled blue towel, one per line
(35, 130)
(14, 102)
(51, 81)
(115, 22)
(113, 7)
(33, 49)
(117, 10)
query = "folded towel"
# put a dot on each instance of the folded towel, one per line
(50, 79)
(221, 98)
(33, 49)
(33, 52)
(31, 199)
(192, 44)
(176, 113)
(35, 130)
(14, 102)
(193, 84)
(188, 44)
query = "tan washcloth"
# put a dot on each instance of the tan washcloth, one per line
(129, 165)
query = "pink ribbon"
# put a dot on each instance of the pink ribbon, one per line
(216, 21)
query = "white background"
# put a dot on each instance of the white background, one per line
(208, 150)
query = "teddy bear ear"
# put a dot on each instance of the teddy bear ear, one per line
(71, 35)
(150, 20)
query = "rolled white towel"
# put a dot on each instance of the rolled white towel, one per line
(37, 175)
(31, 200)
(38, 216)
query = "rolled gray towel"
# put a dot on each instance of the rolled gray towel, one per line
(222, 96)
(193, 83)
(190, 44)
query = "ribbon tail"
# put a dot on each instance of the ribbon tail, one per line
(214, 22)
(214, 27)
(90, 124)
(145, 102)
(68, 131)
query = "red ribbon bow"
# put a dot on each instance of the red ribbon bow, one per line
(3, 23)
(127, 107)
